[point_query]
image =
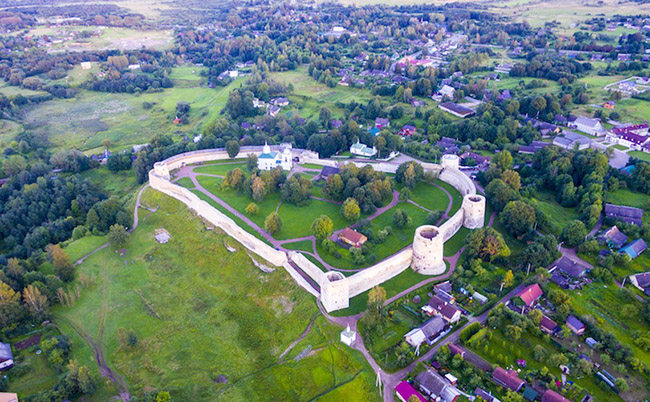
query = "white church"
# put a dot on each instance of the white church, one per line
(271, 159)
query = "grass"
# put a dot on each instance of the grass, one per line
(8, 131)
(644, 156)
(220, 169)
(457, 199)
(393, 286)
(503, 351)
(631, 199)
(40, 376)
(199, 311)
(297, 220)
(91, 117)
(456, 242)
(558, 215)
(430, 197)
(119, 184)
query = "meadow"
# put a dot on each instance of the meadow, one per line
(85, 121)
(200, 312)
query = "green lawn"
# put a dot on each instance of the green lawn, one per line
(221, 169)
(199, 312)
(296, 221)
(430, 197)
(644, 156)
(40, 376)
(558, 215)
(457, 241)
(114, 183)
(457, 199)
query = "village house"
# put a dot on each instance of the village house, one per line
(407, 130)
(569, 267)
(269, 160)
(613, 237)
(381, 122)
(456, 350)
(641, 281)
(436, 387)
(486, 396)
(273, 111)
(405, 392)
(328, 170)
(440, 307)
(508, 379)
(549, 326)
(8, 397)
(571, 140)
(427, 332)
(456, 109)
(552, 396)
(530, 294)
(609, 105)
(279, 102)
(6, 357)
(634, 248)
(588, 125)
(352, 237)
(576, 326)
(362, 150)
(533, 147)
(624, 213)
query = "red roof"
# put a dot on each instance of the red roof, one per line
(530, 294)
(405, 391)
(508, 379)
(351, 235)
(547, 324)
(552, 396)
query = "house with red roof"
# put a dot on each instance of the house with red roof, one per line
(530, 294)
(508, 379)
(552, 396)
(405, 391)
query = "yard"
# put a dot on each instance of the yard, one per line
(234, 321)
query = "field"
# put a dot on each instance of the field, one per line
(90, 118)
(558, 215)
(644, 156)
(199, 312)
(106, 38)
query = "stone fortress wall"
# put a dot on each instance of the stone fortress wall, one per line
(334, 290)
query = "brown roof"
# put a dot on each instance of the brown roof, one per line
(455, 349)
(352, 235)
(547, 324)
(508, 379)
(552, 396)
(530, 294)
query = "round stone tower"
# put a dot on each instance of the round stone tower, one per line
(427, 251)
(473, 211)
(161, 170)
(450, 161)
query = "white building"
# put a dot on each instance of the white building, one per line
(348, 336)
(6, 357)
(269, 160)
(589, 126)
(363, 150)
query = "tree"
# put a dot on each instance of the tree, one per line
(518, 218)
(415, 173)
(36, 302)
(117, 235)
(251, 162)
(62, 265)
(11, 311)
(273, 223)
(508, 278)
(324, 116)
(350, 210)
(539, 353)
(252, 209)
(574, 233)
(511, 178)
(258, 189)
(502, 160)
(232, 147)
(322, 227)
(487, 243)
(621, 384)
(513, 332)
(401, 219)
(376, 300)
(499, 193)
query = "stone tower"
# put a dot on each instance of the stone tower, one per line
(161, 170)
(450, 161)
(427, 251)
(473, 211)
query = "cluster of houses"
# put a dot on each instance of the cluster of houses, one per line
(273, 107)
(443, 313)
(633, 136)
(614, 239)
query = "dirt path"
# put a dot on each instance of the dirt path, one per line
(98, 353)
(300, 338)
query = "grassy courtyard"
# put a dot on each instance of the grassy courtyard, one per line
(200, 312)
